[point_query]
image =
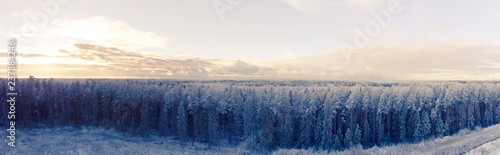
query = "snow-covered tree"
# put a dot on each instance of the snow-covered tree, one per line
(357, 135)
(267, 114)
(182, 124)
(418, 132)
(426, 124)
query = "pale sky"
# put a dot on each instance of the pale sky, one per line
(255, 39)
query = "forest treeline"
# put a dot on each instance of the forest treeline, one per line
(329, 115)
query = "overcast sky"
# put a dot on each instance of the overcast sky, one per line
(264, 39)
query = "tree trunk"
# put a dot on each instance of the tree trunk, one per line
(399, 122)
(389, 124)
(350, 124)
(307, 129)
(194, 126)
(457, 118)
(315, 124)
(373, 127)
(208, 126)
(166, 123)
(281, 111)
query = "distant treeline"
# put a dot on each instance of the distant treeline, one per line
(331, 115)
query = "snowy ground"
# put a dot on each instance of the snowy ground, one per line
(465, 142)
(492, 147)
(101, 141)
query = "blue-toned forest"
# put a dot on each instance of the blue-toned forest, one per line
(327, 115)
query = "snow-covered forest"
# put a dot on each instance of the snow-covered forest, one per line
(267, 115)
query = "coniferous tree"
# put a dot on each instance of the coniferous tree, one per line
(327, 138)
(470, 116)
(182, 124)
(337, 144)
(249, 118)
(438, 123)
(145, 110)
(267, 114)
(366, 132)
(418, 131)
(426, 124)
(357, 135)
(498, 113)
(306, 129)
(348, 141)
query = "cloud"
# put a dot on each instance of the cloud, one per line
(120, 63)
(138, 64)
(242, 68)
(100, 61)
(107, 31)
(443, 59)
(402, 60)
(89, 60)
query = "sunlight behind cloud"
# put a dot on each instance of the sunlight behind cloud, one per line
(107, 31)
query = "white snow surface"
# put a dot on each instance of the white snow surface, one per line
(492, 147)
(477, 142)
(101, 141)
(107, 142)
